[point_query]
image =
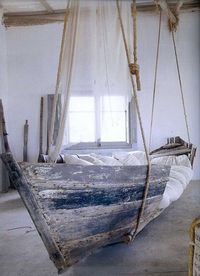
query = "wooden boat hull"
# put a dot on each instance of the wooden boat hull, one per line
(77, 209)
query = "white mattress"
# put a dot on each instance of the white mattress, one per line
(180, 174)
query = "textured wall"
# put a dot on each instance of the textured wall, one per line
(32, 64)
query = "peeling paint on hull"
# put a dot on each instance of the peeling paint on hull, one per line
(77, 209)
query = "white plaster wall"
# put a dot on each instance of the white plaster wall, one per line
(169, 118)
(32, 64)
(3, 63)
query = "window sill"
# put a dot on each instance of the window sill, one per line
(104, 149)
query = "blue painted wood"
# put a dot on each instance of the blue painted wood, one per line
(92, 197)
(77, 209)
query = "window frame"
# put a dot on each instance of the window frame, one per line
(98, 145)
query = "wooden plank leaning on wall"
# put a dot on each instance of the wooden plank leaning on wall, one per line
(4, 181)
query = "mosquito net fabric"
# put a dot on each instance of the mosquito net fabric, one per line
(93, 73)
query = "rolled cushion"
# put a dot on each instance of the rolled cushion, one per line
(128, 160)
(74, 160)
(107, 160)
(181, 160)
(91, 159)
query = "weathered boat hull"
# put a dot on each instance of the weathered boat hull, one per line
(77, 209)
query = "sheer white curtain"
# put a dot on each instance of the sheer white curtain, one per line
(94, 60)
(64, 80)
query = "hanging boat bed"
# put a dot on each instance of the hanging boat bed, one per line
(77, 209)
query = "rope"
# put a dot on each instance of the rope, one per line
(135, 67)
(58, 78)
(155, 80)
(132, 234)
(195, 223)
(181, 88)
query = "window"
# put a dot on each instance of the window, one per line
(98, 121)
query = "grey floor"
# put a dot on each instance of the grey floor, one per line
(160, 249)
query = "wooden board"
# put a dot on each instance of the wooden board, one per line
(176, 146)
(25, 146)
(77, 209)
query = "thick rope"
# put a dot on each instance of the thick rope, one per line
(134, 67)
(58, 78)
(174, 25)
(132, 234)
(194, 224)
(155, 80)
(181, 88)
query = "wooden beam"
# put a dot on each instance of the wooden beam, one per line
(27, 19)
(44, 17)
(46, 5)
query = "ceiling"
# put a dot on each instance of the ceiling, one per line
(31, 5)
(34, 12)
(13, 6)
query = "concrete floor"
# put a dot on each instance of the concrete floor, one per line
(160, 249)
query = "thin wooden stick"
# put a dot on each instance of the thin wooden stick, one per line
(40, 159)
(25, 148)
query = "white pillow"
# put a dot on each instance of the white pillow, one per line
(141, 156)
(128, 159)
(165, 201)
(187, 172)
(174, 189)
(74, 160)
(181, 160)
(107, 160)
(91, 159)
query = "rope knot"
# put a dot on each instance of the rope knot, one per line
(173, 25)
(134, 68)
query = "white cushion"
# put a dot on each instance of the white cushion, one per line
(181, 160)
(165, 202)
(141, 156)
(179, 178)
(91, 159)
(74, 160)
(128, 160)
(185, 171)
(107, 160)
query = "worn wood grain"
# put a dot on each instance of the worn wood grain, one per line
(176, 146)
(77, 209)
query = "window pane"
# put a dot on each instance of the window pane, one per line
(113, 119)
(113, 127)
(81, 120)
(81, 127)
(81, 104)
(113, 103)
(105, 119)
